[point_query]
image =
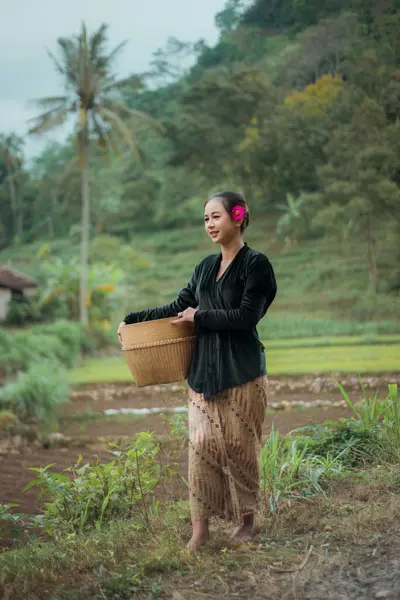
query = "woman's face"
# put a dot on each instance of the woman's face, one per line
(219, 225)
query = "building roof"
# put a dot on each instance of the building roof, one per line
(14, 280)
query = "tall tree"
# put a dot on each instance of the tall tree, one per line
(229, 17)
(92, 95)
(11, 154)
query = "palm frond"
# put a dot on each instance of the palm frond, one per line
(49, 120)
(57, 63)
(116, 123)
(114, 53)
(121, 108)
(83, 35)
(97, 40)
(49, 101)
(132, 82)
(70, 54)
(106, 141)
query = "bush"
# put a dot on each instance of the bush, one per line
(70, 335)
(31, 349)
(101, 492)
(60, 341)
(23, 311)
(104, 248)
(38, 393)
(373, 433)
(5, 342)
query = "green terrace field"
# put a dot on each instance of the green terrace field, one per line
(324, 319)
(285, 357)
(323, 284)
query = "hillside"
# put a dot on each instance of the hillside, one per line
(323, 285)
(295, 106)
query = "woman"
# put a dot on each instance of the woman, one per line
(226, 297)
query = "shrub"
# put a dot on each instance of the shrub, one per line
(38, 393)
(89, 495)
(70, 335)
(29, 349)
(357, 444)
(104, 248)
(23, 311)
(60, 341)
(5, 349)
(372, 433)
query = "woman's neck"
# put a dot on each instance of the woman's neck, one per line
(230, 249)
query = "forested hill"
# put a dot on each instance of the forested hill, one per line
(297, 105)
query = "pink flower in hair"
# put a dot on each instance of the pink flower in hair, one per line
(238, 212)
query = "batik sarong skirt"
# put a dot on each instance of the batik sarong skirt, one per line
(225, 434)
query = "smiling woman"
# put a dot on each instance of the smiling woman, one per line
(226, 297)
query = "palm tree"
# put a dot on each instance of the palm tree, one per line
(92, 95)
(11, 150)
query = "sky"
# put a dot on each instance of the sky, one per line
(28, 27)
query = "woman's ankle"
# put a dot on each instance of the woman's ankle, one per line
(200, 528)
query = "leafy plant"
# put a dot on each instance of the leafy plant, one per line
(10, 519)
(85, 496)
(62, 288)
(179, 427)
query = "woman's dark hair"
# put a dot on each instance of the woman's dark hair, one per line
(229, 200)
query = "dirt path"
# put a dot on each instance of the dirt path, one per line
(354, 537)
(90, 436)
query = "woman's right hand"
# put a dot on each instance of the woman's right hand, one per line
(120, 326)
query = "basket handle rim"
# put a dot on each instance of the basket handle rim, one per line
(159, 343)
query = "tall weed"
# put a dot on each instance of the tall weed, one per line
(290, 471)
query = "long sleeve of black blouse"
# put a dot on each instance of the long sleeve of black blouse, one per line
(185, 299)
(259, 292)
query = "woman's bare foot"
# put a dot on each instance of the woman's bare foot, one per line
(196, 543)
(200, 535)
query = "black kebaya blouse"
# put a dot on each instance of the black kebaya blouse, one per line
(228, 351)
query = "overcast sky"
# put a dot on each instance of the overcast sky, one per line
(28, 27)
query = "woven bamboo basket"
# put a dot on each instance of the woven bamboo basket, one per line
(157, 351)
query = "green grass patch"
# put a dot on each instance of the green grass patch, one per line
(378, 358)
(299, 360)
(340, 340)
(99, 370)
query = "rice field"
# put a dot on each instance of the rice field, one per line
(303, 357)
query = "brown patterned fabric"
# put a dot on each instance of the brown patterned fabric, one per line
(224, 449)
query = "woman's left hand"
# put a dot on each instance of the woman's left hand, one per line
(187, 315)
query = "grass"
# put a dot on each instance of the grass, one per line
(317, 515)
(297, 360)
(296, 550)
